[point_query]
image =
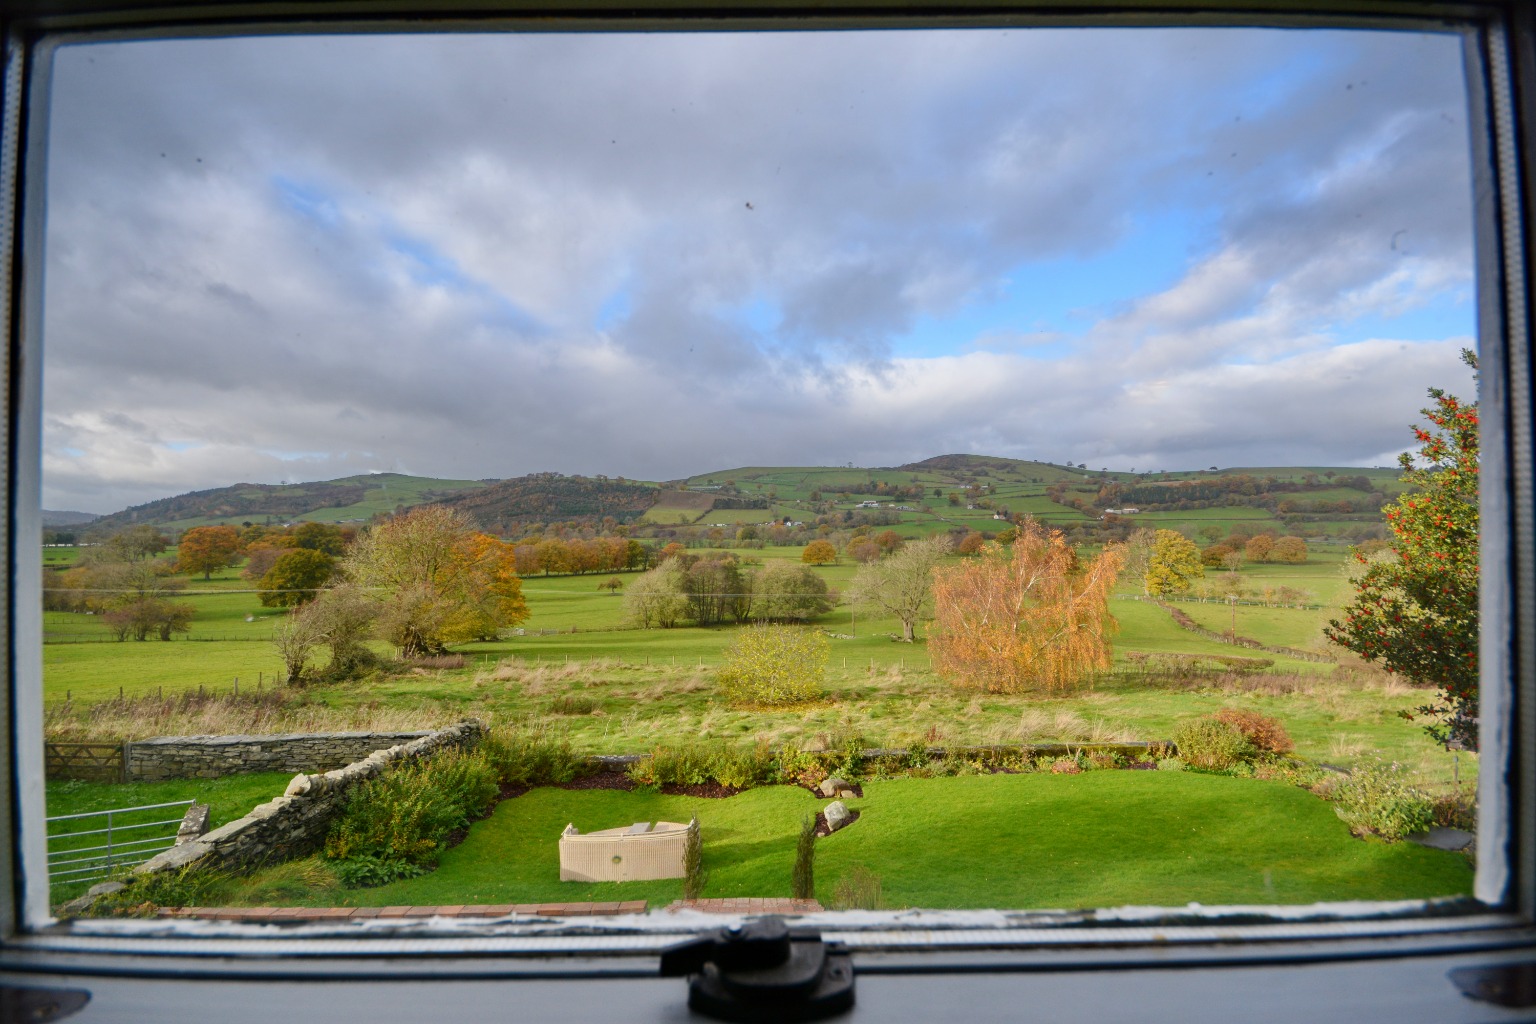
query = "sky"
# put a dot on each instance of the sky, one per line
(653, 256)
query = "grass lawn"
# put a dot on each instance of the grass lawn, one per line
(1009, 841)
(1114, 837)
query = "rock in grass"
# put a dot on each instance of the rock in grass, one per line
(837, 815)
(830, 786)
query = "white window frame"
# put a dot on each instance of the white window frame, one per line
(1206, 950)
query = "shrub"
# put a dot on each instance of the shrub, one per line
(672, 766)
(1377, 799)
(800, 768)
(190, 887)
(1453, 810)
(696, 765)
(532, 759)
(1065, 766)
(367, 870)
(1211, 744)
(406, 813)
(1264, 732)
(772, 665)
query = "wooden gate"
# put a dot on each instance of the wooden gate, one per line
(94, 762)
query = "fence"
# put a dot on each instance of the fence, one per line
(93, 762)
(69, 861)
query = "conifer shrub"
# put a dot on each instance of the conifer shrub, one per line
(803, 879)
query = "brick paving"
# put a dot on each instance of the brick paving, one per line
(748, 905)
(310, 915)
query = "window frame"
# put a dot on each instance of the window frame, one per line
(1499, 41)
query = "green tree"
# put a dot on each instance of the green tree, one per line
(1174, 564)
(788, 593)
(659, 597)
(321, 537)
(1416, 612)
(296, 577)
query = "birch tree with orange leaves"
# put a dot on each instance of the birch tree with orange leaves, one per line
(1023, 617)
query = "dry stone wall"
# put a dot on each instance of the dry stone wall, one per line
(295, 823)
(209, 757)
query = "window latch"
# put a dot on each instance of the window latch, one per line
(763, 971)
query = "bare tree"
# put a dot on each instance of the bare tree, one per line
(901, 583)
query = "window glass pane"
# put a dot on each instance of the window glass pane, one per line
(699, 336)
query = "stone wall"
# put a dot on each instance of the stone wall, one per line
(295, 823)
(209, 757)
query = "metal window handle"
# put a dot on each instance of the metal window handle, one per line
(763, 971)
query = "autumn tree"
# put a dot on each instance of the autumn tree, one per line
(1291, 550)
(295, 577)
(259, 561)
(339, 620)
(971, 543)
(205, 549)
(1416, 611)
(1258, 549)
(1027, 616)
(819, 552)
(439, 580)
(1174, 565)
(900, 584)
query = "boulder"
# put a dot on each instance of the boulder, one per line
(831, 786)
(837, 815)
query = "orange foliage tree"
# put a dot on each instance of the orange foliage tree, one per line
(438, 580)
(1023, 617)
(207, 548)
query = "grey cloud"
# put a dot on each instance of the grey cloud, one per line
(475, 202)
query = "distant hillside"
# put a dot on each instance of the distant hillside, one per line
(353, 497)
(553, 497)
(55, 519)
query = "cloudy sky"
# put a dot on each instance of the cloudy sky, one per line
(652, 256)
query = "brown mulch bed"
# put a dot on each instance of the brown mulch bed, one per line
(707, 790)
(602, 780)
(823, 829)
(621, 780)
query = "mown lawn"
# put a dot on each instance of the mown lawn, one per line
(1006, 841)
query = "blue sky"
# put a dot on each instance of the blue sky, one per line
(659, 255)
